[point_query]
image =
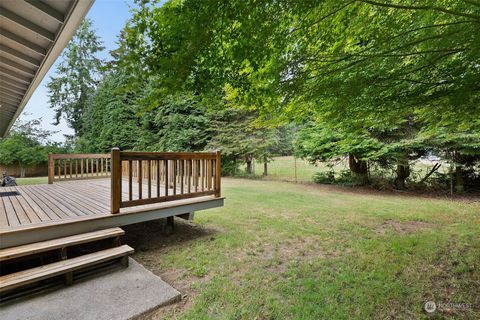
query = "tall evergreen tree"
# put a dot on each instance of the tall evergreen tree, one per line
(76, 77)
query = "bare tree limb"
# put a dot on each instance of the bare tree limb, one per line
(435, 168)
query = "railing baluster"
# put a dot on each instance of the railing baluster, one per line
(218, 174)
(181, 174)
(174, 177)
(116, 181)
(195, 170)
(130, 169)
(210, 174)
(165, 163)
(140, 179)
(158, 178)
(212, 180)
(203, 174)
(189, 175)
(51, 169)
(149, 177)
(206, 174)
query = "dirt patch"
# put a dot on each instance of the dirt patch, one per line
(276, 257)
(153, 235)
(407, 227)
(454, 281)
(151, 241)
(182, 281)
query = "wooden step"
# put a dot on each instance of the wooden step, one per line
(29, 276)
(38, 247)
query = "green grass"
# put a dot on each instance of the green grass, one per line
(286, 251)
(290, 169)
(28, 181)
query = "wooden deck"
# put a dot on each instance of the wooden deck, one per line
(83, 203)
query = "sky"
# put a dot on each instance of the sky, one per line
(109, 17)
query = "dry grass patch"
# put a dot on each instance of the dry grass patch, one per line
(403, 227)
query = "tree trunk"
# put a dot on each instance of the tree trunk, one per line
(459, 178)
(248, 161)
(403, 172)
(22, 171)
(359, 169)
(265, 166)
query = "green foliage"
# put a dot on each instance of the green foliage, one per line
(324, 177)
(76, 77)
(26, 145)
(181, 124)
(387, 82)
(111, 119)
(383, 83)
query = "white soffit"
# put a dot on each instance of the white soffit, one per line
(33, 33)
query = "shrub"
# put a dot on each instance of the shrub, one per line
(324, 177)
(345, 177)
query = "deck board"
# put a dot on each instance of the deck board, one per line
(3, 215)
(34, 205)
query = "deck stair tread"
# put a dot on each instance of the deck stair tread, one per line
(21, 278)
(39, 247)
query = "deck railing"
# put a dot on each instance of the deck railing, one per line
(153, 177)
(149, 177)
(78, 166)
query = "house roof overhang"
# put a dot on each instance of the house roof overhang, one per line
(33, 34)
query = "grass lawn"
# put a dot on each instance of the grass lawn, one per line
(28, 181)
(285, 251)
(290, 169)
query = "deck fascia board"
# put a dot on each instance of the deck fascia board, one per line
(67, 227)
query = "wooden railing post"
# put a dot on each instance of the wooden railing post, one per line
(218, 174)
(116, 181)
(51, 168)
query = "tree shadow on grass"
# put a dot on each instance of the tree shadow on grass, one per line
(154, 235)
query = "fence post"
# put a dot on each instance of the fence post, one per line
(116, 181)
(218, 174)
(51, 168)
(295, 167)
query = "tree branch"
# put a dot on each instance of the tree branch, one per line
(323, 17)
(435, 168)
(472, 2)
(409, 7)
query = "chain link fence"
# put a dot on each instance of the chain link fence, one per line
(293, 169)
